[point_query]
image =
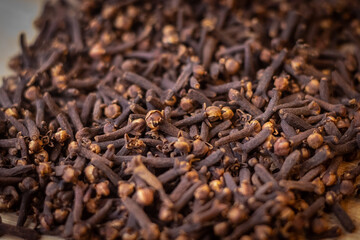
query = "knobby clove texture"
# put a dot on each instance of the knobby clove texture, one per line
(183, 120)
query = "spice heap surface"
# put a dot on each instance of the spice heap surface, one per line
(183, 120)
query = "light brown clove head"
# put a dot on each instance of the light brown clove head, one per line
(329, 179)
(152, 232)
(60, 215)
(102, 188)
(12, 112)
(73, 148)
(91, 173)
(320, 186)
(144, 196)
(287, 214)
(95, 148)
(81, 231)
(213, 113)
(282, 147)
(202, 192)
(227, 113)
(232, 66)
(125, 189)
(153, 119)
(216, 185)
(133, 91)
(281, 83)
(312, 87)
(237, 215)
(44, 169)
(256, 125)
(246, 189)
(97, 51)
(233, 95)
(330, 197)
(315, 140)
(221, 229)
(314, 107)
(35, 146)
(112, 111)
(186, 104)
(200, 148)
(269, 142)
(130, 235)
(263, 231)
(108, 128)
(182, 145)
(42, 156)
(199, 71)
(70, 175)
(32, 93)
(171, 101)
(166, 214)
(61, 136)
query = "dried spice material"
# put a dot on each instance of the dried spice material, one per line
(183, 120)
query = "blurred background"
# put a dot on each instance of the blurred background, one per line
(15, 16)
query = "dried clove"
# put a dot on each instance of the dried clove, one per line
(191, 120)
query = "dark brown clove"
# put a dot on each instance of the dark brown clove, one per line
(295, 121)
(268, 73)
(240, 100)
(133, 126)
(319, 158)
(245, 132)
(149, 230)
(288, 165)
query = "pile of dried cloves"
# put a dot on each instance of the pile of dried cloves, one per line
(183, 120)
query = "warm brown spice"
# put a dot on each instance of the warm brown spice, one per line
(183, 120)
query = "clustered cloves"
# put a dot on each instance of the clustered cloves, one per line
(183, 120)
